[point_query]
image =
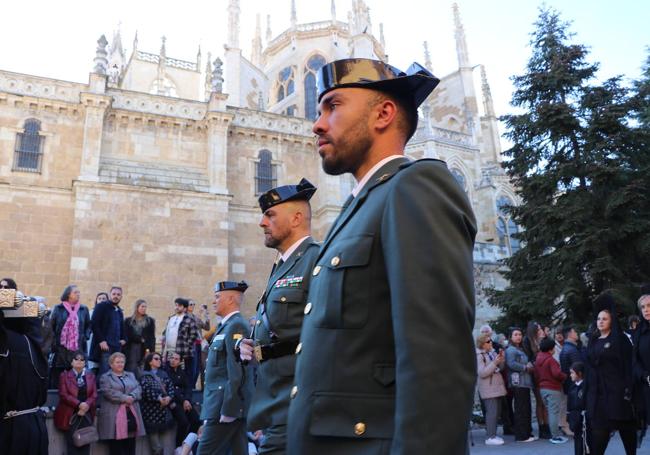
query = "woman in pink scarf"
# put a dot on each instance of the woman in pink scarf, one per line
(70, 322)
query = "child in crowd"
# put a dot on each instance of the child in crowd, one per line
(550, 377)
(576, 405)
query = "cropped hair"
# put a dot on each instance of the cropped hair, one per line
(546, 345)
(578, 367)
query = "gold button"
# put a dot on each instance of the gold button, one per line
(316, 270)
(359, 428)
(308, 308)
(335, 261)
(294, 391)
(298, 348)
(283, 299)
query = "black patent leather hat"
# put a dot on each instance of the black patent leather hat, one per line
(302, 191)
(414, 85)
(230, 286)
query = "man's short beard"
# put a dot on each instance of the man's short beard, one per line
(352, 149)
(271, 242)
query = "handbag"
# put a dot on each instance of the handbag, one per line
(86, 435)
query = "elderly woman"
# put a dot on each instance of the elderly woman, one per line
(119, 420)
(491, 388)
(140, 332)
(70, 322)
(609, 381)
(77, 398)
(157, 396)
(641, 339)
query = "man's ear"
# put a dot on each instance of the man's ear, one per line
(385, 114)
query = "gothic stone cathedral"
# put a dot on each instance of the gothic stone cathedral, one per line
(147, 176)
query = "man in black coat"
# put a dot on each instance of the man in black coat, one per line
(108, 329)
(392, 285)
(187, 419)
(570, 353)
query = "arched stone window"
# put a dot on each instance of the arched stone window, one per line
(265, 172)
(285, 83)
(315, 63)
(506, 227)
(29, 147)
(460, 178)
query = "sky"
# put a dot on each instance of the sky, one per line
(57, 39)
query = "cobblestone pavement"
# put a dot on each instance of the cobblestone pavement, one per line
(542, 447)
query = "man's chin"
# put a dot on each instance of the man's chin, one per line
(332, 168)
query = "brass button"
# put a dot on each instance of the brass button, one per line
(294, 391)
(283, 299)
(298, 348)
(359, 428)
(316, 270)
(308, 308)
(335, 261)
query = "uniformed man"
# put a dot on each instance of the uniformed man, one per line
(286, 221)
(387, 362)
(228, 383)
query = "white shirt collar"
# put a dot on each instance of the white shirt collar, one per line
(287, 254)
(226, 317)
(375, 168)
(579, 382)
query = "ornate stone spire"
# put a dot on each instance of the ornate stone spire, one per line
(256, 53)
(116, 45)
(163, 49)
(333, 10)
(427, 57)
(217, 76)
(135, 42)
(269, 35)
(208, 76)
(198, 59)
(101, 63)
(360, 18)
(382, 41)
(294, 18)
(461, 43)
(488, 104)
(233, 24)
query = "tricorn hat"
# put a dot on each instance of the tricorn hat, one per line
(414, 85)
(230, 286)
(302, 191)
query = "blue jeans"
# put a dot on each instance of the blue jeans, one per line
(551, 399)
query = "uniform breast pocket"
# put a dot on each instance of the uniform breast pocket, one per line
(340, 292)
(218, 350)
(286, 307)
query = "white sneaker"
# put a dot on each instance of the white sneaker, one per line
(558, 440)
(495, 441)
(530, 439)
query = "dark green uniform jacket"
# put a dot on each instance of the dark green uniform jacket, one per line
(279, 316)
(387, 364)
(228, 385)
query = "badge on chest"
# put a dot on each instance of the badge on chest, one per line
(289, 282)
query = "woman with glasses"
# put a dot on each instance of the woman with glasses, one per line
(118, 419)
(77, 398)
(157, 397)
(70, 322)
(491, 388)
(140, 330)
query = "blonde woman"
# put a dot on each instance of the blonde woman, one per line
(490, 385)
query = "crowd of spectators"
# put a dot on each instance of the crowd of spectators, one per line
(106, 367)
(585, 386)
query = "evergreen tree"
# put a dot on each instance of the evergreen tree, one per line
(578, 168)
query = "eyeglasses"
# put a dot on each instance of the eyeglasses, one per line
(80, 359)
(4, 286)
(192, 304)
(156, 358)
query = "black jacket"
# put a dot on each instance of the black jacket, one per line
(576, 403)
(101, 325)
(147, 340)
(181, 381)
(57, 320)
(642, 368)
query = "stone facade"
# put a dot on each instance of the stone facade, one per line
(148, 174)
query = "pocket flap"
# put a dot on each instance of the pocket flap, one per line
(352, 415)
(351, 252)
(289, 295)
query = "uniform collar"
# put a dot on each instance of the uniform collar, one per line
(226, 317)
(357, 189)
(287, 254)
